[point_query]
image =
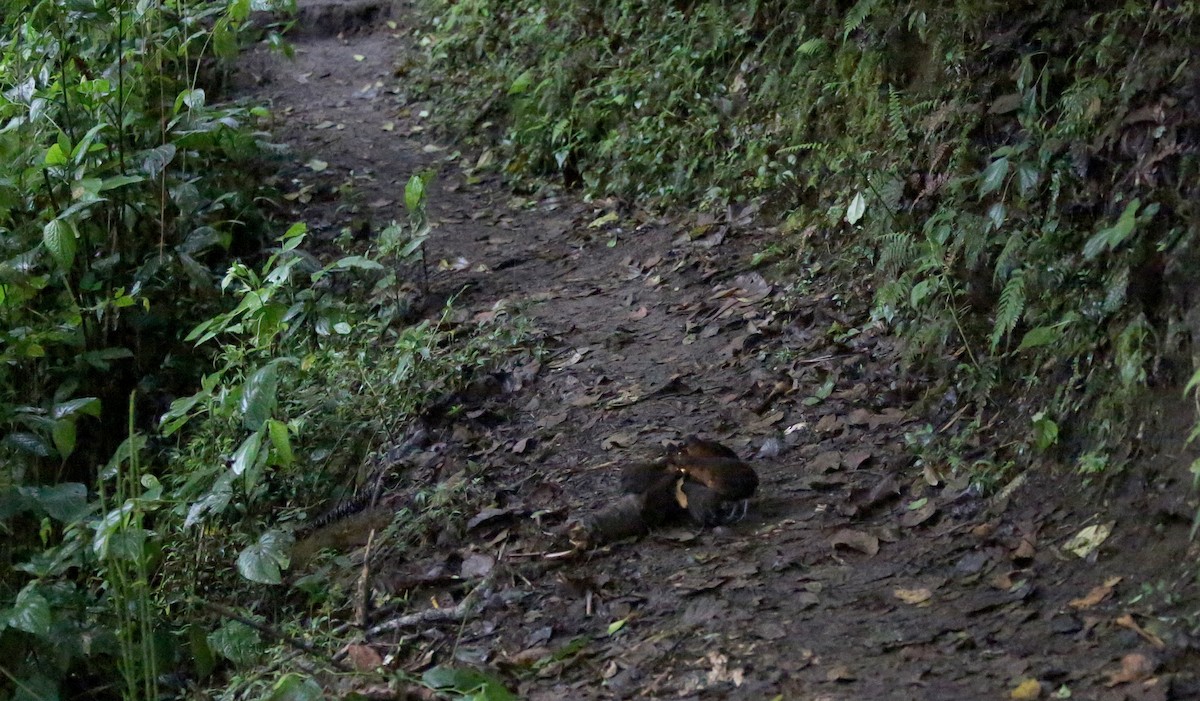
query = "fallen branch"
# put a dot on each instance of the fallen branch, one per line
(465, 608)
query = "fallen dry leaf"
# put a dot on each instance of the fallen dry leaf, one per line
(364, 658)
(856, 540)
(1086, 541)
(1027, 690)
(720, 671)
(913, 596)
(828, 424)
(1127, 621)
(527, 658)
(854, 459)
(1096, 595)
(619, 439)
(826, 462)
(639, 314)
(918, 516)
(477, 565)
(1135, 667)
(840, 673)
(1024, 551)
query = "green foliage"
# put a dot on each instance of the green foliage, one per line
(122, 189)
(1024, 182)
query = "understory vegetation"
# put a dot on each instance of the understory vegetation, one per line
(181, 385)
(1022, 184)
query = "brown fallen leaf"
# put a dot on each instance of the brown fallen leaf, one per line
(854, 459)
(918, 516)
(826, 462)
(840, 673)
(1127, 621)
(620, 440)
(913, 596)
(1096, 595)
(640, 314)
(527, 658)
(364, 658)
(828, 424)
(856, 540)
(1135, 667)
(477, 565)
(1027, 690)
(1024, 551)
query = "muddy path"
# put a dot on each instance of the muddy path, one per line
(856, 575)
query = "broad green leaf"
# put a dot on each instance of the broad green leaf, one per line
(157, 158)
(63, 434)
(58, 236)
(118, 181)
(414, 194)
(262, 561)
(993, 176)
(124, 453)
(108, 526)
(1040, 336)
(79, 405)
(55, 156)
(259, 396)
(996, 214)
(194, 99)
(246, 455)
(616, 626)
(293, 687)
(128, 544)
(236, 642)
(919, 292)
(31, 612)
(280, 441)
(214, 501)
(361, 262)
(1113, 236)
(467, 681)
(28, 443)
(66, 502)
(1027, 178)
(521, 84)
(858, 207)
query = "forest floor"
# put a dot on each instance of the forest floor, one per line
(854, 576)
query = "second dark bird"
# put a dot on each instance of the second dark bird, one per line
(701, 478)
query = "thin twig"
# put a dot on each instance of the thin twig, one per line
(467, 607)
(363, 593)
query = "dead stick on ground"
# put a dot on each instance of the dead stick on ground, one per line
(272, 632)
(363, 595)
(470, 603)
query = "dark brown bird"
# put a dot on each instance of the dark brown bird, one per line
(702, 477)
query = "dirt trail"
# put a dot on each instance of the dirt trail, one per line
(852, 577)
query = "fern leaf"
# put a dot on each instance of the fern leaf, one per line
(857, 15)
(1012, 306)
(1009, 257)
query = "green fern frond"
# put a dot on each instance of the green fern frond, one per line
(897, 251)
(1012, 306)
(811, 146)
(895, 111)
(857, 15)
(1010, 256)
(811, 48)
